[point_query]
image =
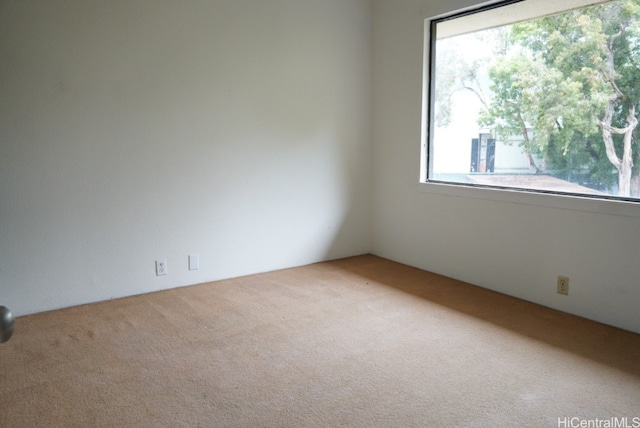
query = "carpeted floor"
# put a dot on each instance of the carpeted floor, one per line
(359, 342)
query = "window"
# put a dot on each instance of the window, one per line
(537, 95)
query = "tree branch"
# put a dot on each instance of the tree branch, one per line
(477, 94)
(617, 130)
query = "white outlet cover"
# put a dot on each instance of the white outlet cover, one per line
(161, 267)
(194, 262)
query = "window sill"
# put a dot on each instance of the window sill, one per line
(523, 197)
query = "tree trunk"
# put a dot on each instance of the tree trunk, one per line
(635, 186)
(624, 165)
(607, 137)
(526, 145)
(627, 156)
(624, 181)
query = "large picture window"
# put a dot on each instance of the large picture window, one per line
(537, 95)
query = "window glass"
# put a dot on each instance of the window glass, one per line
(526, 97)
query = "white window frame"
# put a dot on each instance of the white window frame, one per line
(574, 202)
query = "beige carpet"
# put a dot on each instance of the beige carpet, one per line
(359, 342)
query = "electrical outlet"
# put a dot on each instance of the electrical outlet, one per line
(563, 285)
(161, 267)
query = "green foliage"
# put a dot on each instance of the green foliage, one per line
(556, 80)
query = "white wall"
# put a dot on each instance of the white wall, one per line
(240, 130)
(515, 248)
(145, 129)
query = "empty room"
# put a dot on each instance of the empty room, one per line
(319, 213)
